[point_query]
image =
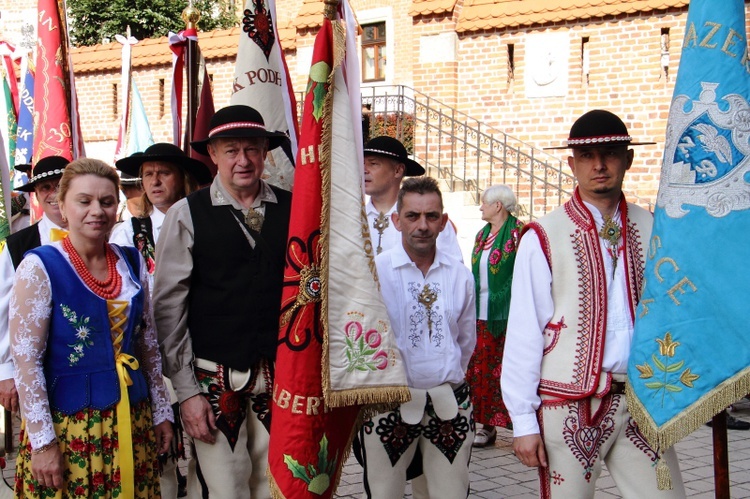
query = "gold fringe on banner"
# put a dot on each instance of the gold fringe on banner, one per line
(381, 395)
(683, 424)
(663, 475)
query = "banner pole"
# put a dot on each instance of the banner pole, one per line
(191, 15)
(721, 455)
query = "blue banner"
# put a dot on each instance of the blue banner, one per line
(25, 133)
(691, 347)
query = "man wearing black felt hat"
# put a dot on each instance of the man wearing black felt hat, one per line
(386, 165)
(217, 297)
(44, 180)
(576, 285)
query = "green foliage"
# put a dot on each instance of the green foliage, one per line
(91, 21)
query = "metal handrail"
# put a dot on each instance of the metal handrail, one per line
(465, 153)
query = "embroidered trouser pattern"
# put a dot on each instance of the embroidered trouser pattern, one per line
(580, 434)
(389, 445)
(234, 466)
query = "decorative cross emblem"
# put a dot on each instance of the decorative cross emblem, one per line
(380, 224)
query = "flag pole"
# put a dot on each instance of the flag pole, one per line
(721, 455)
(191, 15)
(329, 9)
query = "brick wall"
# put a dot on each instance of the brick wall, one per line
(625, 76)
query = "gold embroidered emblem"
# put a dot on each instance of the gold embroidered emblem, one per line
(427, 298)
(380, 224)
(254, 219)
(667, 383)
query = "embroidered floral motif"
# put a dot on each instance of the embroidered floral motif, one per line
(557, 478)
(396, 435)
(585, 436)
(447, 436)
(635, 436)
(495, 258)
(82, 334)
(667, 384)
(426, 309)
(362, 352)
(317, 480)
(258, 24)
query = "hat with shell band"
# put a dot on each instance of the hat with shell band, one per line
(389, 147)
(45, 169)
(599, 128)
(238, 121)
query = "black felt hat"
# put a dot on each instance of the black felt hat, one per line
(391, 148)
(45, 169)
(169, 153)
(23, 167)
(238, 121)
(599, 128)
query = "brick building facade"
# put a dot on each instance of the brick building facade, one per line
(523, 67)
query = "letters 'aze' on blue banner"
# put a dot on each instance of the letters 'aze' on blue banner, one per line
(691, 348)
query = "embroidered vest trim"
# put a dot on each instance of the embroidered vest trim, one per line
(574, 337)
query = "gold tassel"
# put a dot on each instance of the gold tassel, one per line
(663, 475)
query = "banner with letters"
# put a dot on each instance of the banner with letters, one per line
(336, 351)
(261, 81)
(690, 357)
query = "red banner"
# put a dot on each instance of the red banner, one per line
(308, 440)
(203, 114)
(56, 131)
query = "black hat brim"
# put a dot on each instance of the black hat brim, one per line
(411, 167)
(275, 139)
(29, 187)
(132, 165)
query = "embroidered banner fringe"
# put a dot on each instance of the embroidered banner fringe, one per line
(365, 395)
(689, 420)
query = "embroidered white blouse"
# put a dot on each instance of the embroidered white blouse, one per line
(30, 311)
(531, 308)
(7, 271)
(433, 316)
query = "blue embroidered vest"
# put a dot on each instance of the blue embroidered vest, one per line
(79, 364)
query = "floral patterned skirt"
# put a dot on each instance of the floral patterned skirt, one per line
(88, 440)
(483, 376)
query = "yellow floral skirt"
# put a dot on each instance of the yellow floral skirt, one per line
(88, 440)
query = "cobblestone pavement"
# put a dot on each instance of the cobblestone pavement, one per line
(495, 473)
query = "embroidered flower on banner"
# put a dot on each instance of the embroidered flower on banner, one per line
(362, 352)
(82, 334)
(663, 379)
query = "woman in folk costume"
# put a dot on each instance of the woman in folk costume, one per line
(167, 175)
(492, 265)
(88, 369)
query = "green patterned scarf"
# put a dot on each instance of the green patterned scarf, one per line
(500, 271)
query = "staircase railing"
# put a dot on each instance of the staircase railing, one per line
(463, 152)
(466, 153)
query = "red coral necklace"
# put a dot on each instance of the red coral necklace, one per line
(108, 289)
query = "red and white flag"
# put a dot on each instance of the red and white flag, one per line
(261, 81)
(337, 351)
